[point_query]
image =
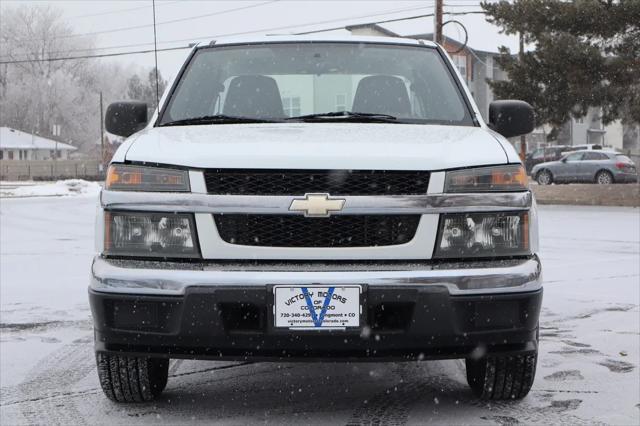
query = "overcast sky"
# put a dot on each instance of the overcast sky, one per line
(109, 22)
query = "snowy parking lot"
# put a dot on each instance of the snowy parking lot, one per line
(588, 371)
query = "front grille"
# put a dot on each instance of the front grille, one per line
(299, 182)
(300, 231)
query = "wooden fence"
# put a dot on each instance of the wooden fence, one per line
(50, 170)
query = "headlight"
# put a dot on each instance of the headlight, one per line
(487, 179)
(122, 177)
(483, 235)
(150, 235)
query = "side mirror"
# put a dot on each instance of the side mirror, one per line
(511, 118)
(125, 118)
(564, 160)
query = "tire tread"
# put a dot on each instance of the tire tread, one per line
(500, 377)
(131, 379)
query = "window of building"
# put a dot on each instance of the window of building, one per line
(580, 120)
(291, 105)
(1, 155)
(52, 154)
(461, 63)
(10, 156)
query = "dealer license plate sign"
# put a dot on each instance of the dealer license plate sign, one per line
(317, 307)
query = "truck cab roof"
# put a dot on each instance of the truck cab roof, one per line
(321, 37)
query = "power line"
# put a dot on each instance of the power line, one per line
(209, 37)
(105, 55)
(110, 12)
(173, 21)
(427, 15)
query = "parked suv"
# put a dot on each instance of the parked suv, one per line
(303, 198)
(602, 167)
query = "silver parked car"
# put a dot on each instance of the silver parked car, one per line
(593, 166)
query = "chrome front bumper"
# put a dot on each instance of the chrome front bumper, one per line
(143, 277)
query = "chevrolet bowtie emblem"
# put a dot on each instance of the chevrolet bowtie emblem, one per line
(317, 205)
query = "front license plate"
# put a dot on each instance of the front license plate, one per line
(317, 307)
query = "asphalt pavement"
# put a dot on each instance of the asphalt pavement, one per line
(588, 371)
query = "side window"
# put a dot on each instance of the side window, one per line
(555, 154)
(595, 156)
(537, 154)
(576, 156)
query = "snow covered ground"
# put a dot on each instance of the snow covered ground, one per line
(61, 188)
(588, 373)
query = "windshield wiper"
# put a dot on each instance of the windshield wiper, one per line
(218, 118)
(346, 116)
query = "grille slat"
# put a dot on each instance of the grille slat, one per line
(300, 231)
(300, 182)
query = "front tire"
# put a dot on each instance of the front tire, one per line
(500, 377)
(131, 379)
(544, 177)
(603, 177)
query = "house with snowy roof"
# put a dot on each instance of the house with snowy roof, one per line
(18, 145)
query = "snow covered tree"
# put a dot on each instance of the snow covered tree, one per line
(39, 93)
(36, 93)
(145, 91)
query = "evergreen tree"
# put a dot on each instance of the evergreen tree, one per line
(587, 54)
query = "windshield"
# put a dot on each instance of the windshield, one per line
(284, 80)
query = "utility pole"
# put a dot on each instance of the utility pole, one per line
(437, 22)
(101, 135)
(523, 138)
(56, 133)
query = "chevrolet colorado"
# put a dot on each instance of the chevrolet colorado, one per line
(316, 198)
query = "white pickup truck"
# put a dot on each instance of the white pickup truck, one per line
(314, 198)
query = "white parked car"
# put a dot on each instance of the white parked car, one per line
(315, 198)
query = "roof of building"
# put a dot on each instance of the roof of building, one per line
(16, 139)
(450, 40)
(374, 27)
